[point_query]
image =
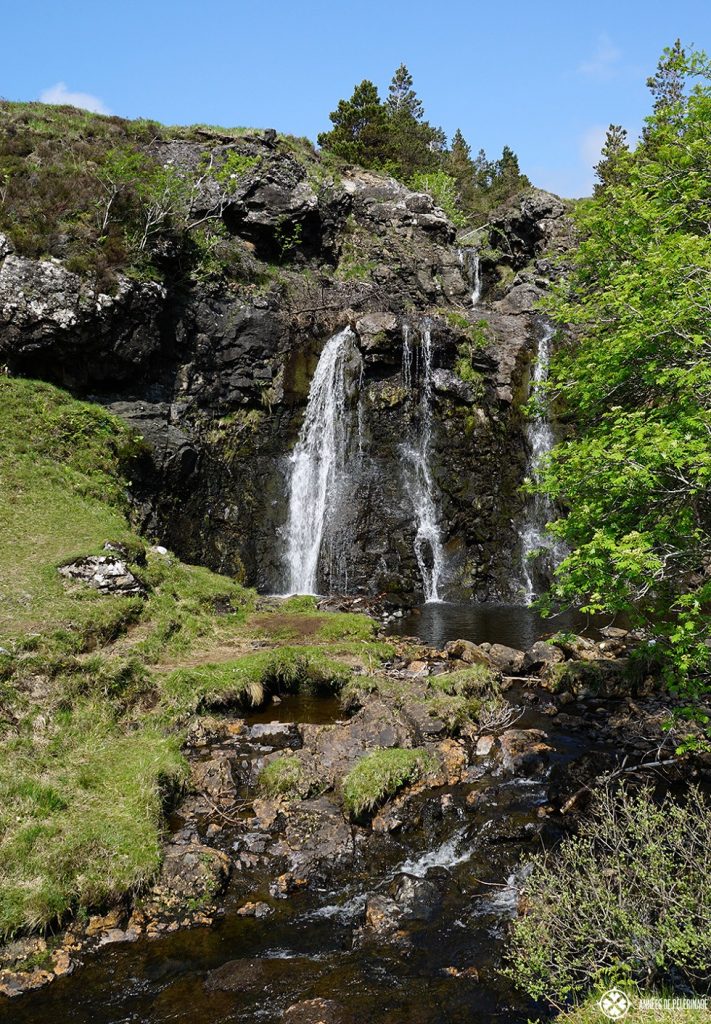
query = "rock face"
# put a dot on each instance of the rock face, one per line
(215, 373)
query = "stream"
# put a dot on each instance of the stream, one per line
(465, 851)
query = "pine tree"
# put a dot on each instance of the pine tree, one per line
(402, 98)
(667, 84)
(611, 169)
(360, 129)
(461, 167)
(413, 143)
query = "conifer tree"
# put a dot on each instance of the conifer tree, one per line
(360, 129)
(611, 169)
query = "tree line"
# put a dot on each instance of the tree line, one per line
(395, 137)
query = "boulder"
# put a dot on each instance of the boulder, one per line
(524, 750)
(105, 573)
(468, 652)
(604, 678)
(540, 654)
(580, 648)
(507, 660)
(213, 777)
(316, 1011)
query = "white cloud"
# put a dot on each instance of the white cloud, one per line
(59, 94)
(603, 63)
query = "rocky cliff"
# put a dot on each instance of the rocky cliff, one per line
(214, 369)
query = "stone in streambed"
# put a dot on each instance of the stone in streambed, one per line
(316, 1011)
(541, 654)
(524, 750)
(468, 652)
(508, 660)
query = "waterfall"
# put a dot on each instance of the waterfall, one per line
(539, 511)
(418, 476)
(475, 270)
(318, 461)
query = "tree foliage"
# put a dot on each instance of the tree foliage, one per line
(395, 137)
(637, 384)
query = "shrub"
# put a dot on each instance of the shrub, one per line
(629, 897)
(379, 775)
(443, 190)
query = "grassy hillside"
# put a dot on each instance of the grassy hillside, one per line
(102, 194)
(96, 690)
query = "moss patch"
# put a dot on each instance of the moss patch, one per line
(379, 775)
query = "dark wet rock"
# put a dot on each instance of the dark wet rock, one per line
(540, 654)
(316, 1011)
(524, 751)
(104, 573)
(238, 976)
(382, 916)
(337, 748)
(54, 324)
(213, 777)
(417, 899)
(506, 659)
(192, 876)
(315, 838)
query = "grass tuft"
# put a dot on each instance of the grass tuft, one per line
(379, 775)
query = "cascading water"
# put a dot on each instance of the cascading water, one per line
(317, 462)
(536, 543)
(475, 271)
(418, 475)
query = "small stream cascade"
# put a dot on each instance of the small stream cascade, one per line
(475, 273)
(538, 551)
(317, 476)
(418, 472)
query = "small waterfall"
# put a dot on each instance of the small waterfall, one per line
(473, 261)
(539, 511)
(475, 271)
(418, 475)
(318, 460)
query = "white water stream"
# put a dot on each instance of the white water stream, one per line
(535, 539)
(418, 475)
(317, 469)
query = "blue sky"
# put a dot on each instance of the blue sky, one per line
(545, 77)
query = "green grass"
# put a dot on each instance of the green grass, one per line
(80, 813)
(61, 495)
(88, 756)
(285, 776)
(246, 681)
(379, 775)
(590, 1013)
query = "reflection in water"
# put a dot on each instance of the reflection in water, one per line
(512, 625)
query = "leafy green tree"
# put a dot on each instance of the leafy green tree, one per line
(612, 168)
(360, 129)
(636, 478)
